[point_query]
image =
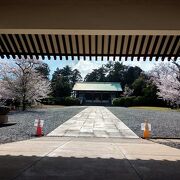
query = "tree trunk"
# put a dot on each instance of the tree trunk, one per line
(24, 103)
(3, 119)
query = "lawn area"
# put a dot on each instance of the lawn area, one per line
(22, 126)
(165, 123)
(152, 108)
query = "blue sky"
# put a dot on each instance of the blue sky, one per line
(86, 66)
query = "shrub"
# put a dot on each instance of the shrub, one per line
(129, 101)
(116, 102)
(140, 101)
(124, 101)
(146, 101)
(70, 101)
(4, 110)
(137, 101)
(59, 100)
(48, 101)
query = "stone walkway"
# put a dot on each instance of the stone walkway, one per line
(89, 158)
(94, 122)
(68, 158)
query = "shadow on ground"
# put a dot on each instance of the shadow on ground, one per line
(7, 124)
(33, 111)
(75, 168)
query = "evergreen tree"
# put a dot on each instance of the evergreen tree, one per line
(63, 81)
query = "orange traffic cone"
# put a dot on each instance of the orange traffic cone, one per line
(39, 129)
(146, 133)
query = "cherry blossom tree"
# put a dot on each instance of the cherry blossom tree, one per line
(166, 77)
(128, 91)
(20, 80)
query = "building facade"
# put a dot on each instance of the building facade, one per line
(97, 92)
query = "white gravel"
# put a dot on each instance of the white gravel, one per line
(24, 122)
(165, 124)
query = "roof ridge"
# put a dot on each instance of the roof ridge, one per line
(98, 82)
(97, 86)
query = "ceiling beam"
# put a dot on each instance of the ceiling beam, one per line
(33, 46)
(77, 46)
(160, 47)
(27, 45)
(52, 45)
(58, 46)
(154, 47)
(135, 45)
(89, 38)
(71, 46)
(128, 46)
(167, 47)
(141, 47)
(17, 36)
(174, 46)
(14, 44)
(115, 46)
(109, 46)
(84, 46)
(148, 45)
(4, 36)
(64, 45)
(122, 45)
(5, 50)
(39, 46)
(102, 46)
(46, 46)
(96, 46)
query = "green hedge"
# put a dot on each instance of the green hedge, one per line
(53, 101)
(124, 101)
(47, 101)
(137, 101)
(70, 101)
(4, 110)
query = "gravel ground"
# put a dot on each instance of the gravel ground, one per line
(168, 142)
(21, 124)
(165, 124)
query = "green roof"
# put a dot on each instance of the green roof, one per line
(97, 86)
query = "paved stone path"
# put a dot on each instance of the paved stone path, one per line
(89, 158)
(69, 158)
(94, 122)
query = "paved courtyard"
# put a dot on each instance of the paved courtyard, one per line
(69, 158)
(94, 122)
(92, 145)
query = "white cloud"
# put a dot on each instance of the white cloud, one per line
(144, 65)
(87, 66)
